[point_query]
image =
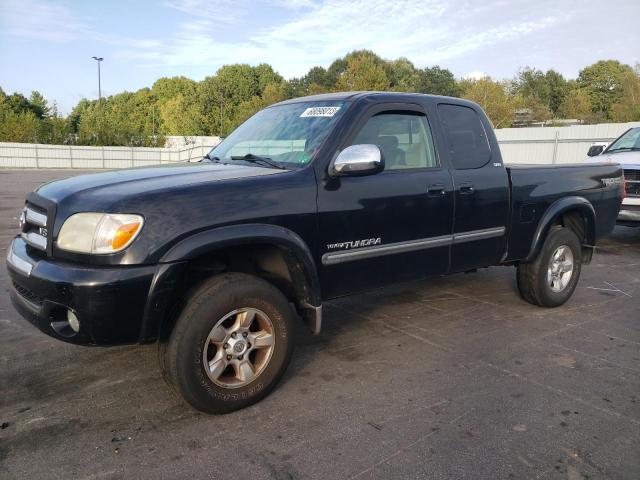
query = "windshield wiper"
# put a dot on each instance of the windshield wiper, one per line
(623, 149)
(250, 157)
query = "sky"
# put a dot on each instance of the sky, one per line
(48, 45)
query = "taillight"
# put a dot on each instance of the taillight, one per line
(623, 194)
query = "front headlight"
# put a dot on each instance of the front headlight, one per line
(99, 232)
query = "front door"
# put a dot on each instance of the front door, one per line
(393, 225)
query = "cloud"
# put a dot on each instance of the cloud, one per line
(227, 11)
(293, 35)
(38, 20)
(314, 33)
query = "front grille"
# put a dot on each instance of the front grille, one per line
(633, 175)
(28, 295)
(34, 226)
(632, 181)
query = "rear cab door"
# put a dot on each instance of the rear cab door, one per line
(481, 186)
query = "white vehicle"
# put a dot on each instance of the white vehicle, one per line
(625, 150)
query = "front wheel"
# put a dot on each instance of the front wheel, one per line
(550, 279)
(231, 344)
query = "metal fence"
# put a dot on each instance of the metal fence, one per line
(556, 144)
(31, 155)
(518, 145)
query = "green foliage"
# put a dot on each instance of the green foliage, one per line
(363, 71)
(494, 97)
(168, 88)
(558, 89)
(39, 105)
(541, 93)
(17, 127)
(627, 108)
(402, 75)
(577, 104)
(604, 81)
(438, 81)
(605, 91)
(30, 121)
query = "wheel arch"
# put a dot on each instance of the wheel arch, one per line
(280, 252)
(573, 212)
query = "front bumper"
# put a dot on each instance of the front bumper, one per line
(629, 211)
(108, 301)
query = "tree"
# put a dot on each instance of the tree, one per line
(558, 89)
(627, 109)
(605, 91)
(335, 70)
(532, 85)
(17, 127)
(39, 105)
(168, 88)
(18, 103)
(493, 97)
(272, 93)
(180, 116)
(437, 81)
(403, 76)
(603, 81)
(315, 81)
(363, 72)
(317, 75)
(265, 76)
(76, 114)
(577, 104)
(56, 129)
(339, 68)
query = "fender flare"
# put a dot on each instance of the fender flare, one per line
(556, 209)
(297, 255)
(247, 234)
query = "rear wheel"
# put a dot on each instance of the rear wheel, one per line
(231, 344)
(550, 279)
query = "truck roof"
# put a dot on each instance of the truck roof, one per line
(380, 96)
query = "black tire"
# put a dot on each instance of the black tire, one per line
(532, 277)
(182, 356)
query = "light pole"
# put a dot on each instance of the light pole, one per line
(99, 59)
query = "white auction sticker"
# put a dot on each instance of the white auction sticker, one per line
(320, 112)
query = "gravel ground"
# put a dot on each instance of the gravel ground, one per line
(454, 377)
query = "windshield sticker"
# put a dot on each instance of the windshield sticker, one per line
(320, 112)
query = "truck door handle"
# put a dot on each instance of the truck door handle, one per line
(466, 188)
(436, 190)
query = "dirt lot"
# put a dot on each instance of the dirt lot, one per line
(448, 378)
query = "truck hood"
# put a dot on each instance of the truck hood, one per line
(119, 184)
(626, 159)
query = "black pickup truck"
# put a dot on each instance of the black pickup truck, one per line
(309, 199)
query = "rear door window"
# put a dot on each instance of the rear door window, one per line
(466, 137)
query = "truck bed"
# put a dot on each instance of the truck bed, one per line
(534, 188)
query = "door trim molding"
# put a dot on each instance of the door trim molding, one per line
(334, 258)
(474, 235)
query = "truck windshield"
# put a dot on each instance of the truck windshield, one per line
(287, 134)
(630, 141)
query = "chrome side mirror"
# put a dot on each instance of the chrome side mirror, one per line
(357, 160)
